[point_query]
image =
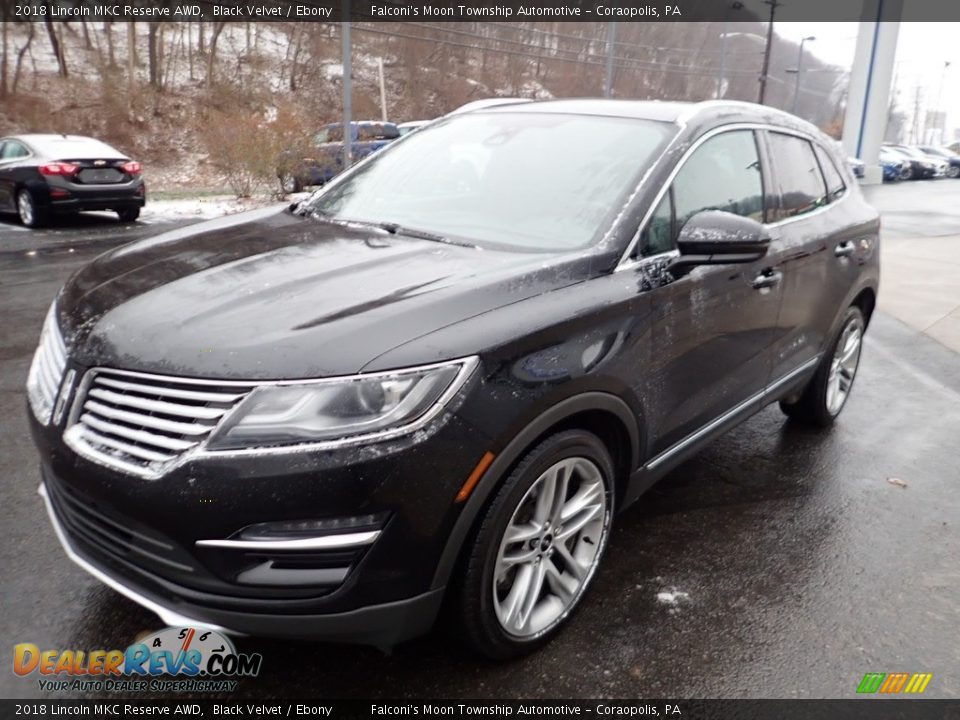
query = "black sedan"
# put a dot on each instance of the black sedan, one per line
(42, 175)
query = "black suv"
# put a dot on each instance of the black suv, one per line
(439, 377)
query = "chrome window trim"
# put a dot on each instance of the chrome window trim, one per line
(723, 417)
(626, 262)
(468, 366)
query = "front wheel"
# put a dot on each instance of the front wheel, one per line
(953, 171)
(538, 546)
(828, 390)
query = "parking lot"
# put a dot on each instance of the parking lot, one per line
(781, 562)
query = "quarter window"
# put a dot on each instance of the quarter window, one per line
(800, 183)
(722, 174)
(658, 235)
(835, 184)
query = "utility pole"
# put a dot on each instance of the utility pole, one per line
(774, 4)
(916, 114)
(383, 91)
(347, 86)
(611, 39)
(941, 116)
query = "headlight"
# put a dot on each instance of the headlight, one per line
(359, 408)
(46, 371)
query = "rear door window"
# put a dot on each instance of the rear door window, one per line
(800, 184)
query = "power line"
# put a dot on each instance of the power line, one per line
(587, 59)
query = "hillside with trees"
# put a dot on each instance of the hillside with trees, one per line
(194, 99)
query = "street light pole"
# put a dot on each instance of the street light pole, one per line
(611, 40)
(723, 58)
(737, 5)
(799, 71)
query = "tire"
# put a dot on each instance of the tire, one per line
(290, 183)
(30, 215)
(128, 215)
(953, 171)
(827, 392)
(497, 617)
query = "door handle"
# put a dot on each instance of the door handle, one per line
(768, 278)
(844, 249)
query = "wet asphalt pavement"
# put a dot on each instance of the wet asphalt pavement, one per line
(781, 562)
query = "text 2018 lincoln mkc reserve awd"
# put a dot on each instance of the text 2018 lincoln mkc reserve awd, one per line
(436, 380)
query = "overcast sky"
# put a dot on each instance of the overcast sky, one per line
(922, 50)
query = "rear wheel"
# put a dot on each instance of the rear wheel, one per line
(538, 546)
(827, 393)
(30, 215)
(290, 183)
(128, 215)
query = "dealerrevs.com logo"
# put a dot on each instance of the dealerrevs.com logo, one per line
(182, 659)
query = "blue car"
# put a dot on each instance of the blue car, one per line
(326, 158)
(895, 166)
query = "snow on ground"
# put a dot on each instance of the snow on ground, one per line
(205, 208)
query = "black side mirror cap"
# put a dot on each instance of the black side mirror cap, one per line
(714, 237)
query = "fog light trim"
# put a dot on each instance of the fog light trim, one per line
(324, 542)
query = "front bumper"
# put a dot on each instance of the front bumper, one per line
(112, 524)
(382, 625)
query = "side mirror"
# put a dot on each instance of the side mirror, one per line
(714, 237)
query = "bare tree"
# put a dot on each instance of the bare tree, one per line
(56, 45)
(153, 53)
(131, 54)
(211, 58)
(3, 60)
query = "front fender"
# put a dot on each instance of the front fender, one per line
(508, 456)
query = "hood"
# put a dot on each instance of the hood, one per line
(275, 295)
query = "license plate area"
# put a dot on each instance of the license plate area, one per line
(99, 176)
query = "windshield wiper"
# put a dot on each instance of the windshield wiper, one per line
(398, 229)
(390, 227)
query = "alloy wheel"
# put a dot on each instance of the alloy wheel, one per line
(843, 367)
(25, 208)
(551, 547)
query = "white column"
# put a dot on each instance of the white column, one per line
(870, 79)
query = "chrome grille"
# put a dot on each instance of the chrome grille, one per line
(46, 371)
(143, 423)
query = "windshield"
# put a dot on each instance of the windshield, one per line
(531, 181)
